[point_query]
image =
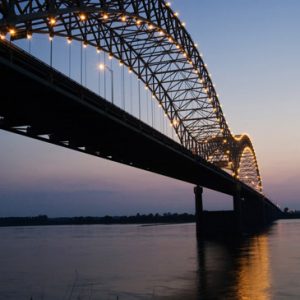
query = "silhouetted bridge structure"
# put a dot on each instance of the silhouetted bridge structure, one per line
(147, 37)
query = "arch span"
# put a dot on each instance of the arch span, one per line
(149, 38)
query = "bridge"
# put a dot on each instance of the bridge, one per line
(148, 38)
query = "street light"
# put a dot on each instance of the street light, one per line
(102, 67)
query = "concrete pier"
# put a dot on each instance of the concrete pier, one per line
(198, 190)
(249, 215)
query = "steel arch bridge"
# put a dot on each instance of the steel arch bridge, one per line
(148, 37)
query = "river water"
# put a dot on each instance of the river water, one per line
(147, 262)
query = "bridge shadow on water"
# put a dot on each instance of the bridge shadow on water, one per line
(230, 268)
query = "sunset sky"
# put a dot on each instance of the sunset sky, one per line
(252, 48)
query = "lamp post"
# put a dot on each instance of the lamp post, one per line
(102, 67)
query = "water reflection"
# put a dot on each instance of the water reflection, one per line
(135, 262)
(230, 269)
(234, 269)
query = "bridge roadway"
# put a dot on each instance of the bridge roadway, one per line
(40, 102)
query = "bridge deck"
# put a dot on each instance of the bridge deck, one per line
(40, 102)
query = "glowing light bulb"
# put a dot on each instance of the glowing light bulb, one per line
(101, 67)
(168, 4)
(12, 31)
(29, 36)
(82, 17)
(69, 40)
(123, 18)
(52, 21)
(105, 16)
(110, 56)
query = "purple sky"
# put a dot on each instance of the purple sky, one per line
(252, 50)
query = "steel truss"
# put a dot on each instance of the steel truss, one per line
(147, 37)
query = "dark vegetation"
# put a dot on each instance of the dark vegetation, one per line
(137, 219)
(290, 214)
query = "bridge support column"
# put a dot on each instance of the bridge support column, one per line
(198, 190)
(237, 207)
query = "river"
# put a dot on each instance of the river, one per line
(147, 262)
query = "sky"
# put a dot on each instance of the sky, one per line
(252, 50)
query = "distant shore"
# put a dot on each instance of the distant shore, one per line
(107, 220)
(154, 219)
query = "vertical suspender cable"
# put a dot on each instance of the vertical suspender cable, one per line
(139, 99)
(104, 76)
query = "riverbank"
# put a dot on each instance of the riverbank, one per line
(137, 219)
